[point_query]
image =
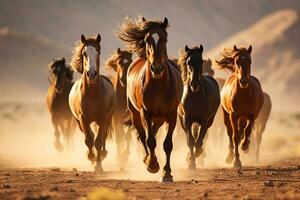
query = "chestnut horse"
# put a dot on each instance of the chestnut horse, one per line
(61, 82)
(119, 62)
(199, 102)
(242, 99)
(154, 88)
(92, 97)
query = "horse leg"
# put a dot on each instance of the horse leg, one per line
(89, 137)
(57, 143)
(246, 142)
(236, 139)
(137, 123)
(151, 161)
(199, 141)
(69, 131)
(187, 126)
(99, 144)
(119, 137)
(258, 138)
(168, 146)
(127, 148)
(229, 131)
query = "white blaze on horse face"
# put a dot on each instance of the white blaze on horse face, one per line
(91, 58)
(155, 36)
(125, 61)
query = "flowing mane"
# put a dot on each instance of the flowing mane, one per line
(183, 56)
(133, 33)
(228, 55)
(77, 58)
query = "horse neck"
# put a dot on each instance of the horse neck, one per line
(120, 90)
(90, 89)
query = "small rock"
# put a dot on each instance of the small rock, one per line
(269, 183)
(5, 186)
(126, 190)
(55, 169)
(72, 190)
(7, 174)
(76, 174)
(55, 188)
(205, 194)
(74, 169)
(69, 181)
(177, 190)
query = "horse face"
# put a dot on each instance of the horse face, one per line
(123, 62)
(156, 51)
(91, 60)
(59, 75)
(242, 67)
(194, 68)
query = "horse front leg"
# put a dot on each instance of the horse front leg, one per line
(57, 144)
(151, 161)
(229, 130)
(89, 137)
(246, 142)
(168, 146)
(199, 141)
(236, 139)
(187, 126)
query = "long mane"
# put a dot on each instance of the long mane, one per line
(133, 33)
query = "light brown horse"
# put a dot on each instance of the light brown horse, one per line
(92, 97)
(119, 61)
(199, 102)
(61, 82)
(242, 99)
(154, 88)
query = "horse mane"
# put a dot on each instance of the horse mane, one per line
(183, 56)
(111, 62)
(134, 32)
(227, 60)
(77, 58)
(68, 68)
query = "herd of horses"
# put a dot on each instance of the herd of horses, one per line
(151, 91)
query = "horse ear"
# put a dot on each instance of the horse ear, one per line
(64, 60)
(165, 23)
(119, 50)
(201, 49)
(82, 38)
(98, 38)
(143, 19)
(186, 48)
(249, 49)
(235, 48)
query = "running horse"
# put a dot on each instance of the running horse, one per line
(154, 88)
(119, 61)
(92, 97)
(199, 102)
(242, 99)
(61, 82)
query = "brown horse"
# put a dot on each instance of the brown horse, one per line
(61, 82)
(119, 62)
(92, 97)
(199, 102)
(154, 88)
(242, 99)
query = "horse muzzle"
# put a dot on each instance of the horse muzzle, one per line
(244, 83)
(157, 70)
(92, 77)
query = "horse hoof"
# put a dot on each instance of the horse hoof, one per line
(152, 164)
(237, 164)
(98, 168)
(198, 152)
(58, 146)
(192, 165)
(245, 146)
(103, 154)
(189, 156)
(229, 158)
(167, 179)
(91, 156)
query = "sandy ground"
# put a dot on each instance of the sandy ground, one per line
(280, 180)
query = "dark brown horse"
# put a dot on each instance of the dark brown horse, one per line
(119, 62)
(242, 99)
(154, 88)
(61, 82)
(92, 97)
(199, 102)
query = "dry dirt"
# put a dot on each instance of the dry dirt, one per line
(280, 180)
